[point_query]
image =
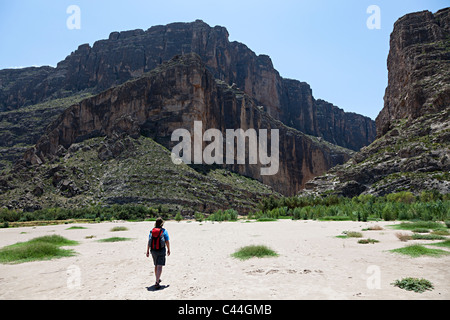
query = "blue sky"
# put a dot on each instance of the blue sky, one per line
(324, 42)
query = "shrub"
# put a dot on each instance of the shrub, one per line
(353, 234)
(403, 196)
(366, 241)
(427, 196)
(414, 284)
(227, 215)
(119, 229)
(199, 216)
(388, 212)
(178, 217)
(403, 236)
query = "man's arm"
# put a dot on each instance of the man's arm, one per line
(168, 247)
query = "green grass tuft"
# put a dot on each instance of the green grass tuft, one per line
(249, 252)
(419, 225)
(417, 250)
(444, 244)
(427, 237)
(42, 248)
(119, 229)
(366, 241)
(350, 234)
(75, 228)
(114, 239)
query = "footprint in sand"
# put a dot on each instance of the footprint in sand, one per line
(289, 271)
(272, 271)
(255, 271)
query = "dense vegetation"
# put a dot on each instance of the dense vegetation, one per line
(428, 206)
(94, 213)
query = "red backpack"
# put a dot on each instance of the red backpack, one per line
(157, 239)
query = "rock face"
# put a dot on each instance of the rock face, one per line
(128, 55)
(413, 149)
(173, 96)
(419, 68)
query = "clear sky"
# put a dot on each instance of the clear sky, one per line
(326, 43)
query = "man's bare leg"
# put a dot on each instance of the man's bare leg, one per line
(158, 271)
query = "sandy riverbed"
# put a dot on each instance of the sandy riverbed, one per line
(312, 263)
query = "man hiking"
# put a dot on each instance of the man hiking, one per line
(158, 240)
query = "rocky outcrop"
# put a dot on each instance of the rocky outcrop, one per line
(413, 156)
(128, 55)
(173, 96)
(412, 151)
(419, 68)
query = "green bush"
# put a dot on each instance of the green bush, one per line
(199, 216)
(414, 284)
(403, 196)
(227, 215)
(178, 217)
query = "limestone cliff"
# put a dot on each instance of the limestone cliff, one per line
(419, 68)
(412, 151)
(129, 54)
(173, 96)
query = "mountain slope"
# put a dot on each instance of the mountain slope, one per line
(123, 170)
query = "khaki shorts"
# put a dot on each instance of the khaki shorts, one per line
(159, 257)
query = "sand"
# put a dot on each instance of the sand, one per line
(312, 263)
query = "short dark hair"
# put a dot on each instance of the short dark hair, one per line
(159, 223)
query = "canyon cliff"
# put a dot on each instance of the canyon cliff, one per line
(419, 68)
(129, 54)
(173, 96)
(412, 149)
